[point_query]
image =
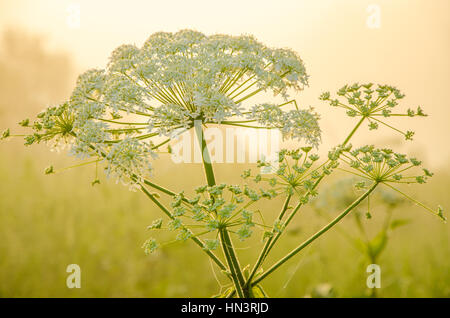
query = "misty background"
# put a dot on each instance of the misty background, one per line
(48, 222)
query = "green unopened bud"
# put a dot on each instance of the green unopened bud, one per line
(155, 225)
(25, 123)
(49, 170)
(211, 245)
(150, 246)
(420, 112)
(246, 174)
(420, 179)
(360, 185)
(415, 162)
(244, 232)
(278, 226)
(5, 134)
(267, 234)
(325, 96)
(184, 235)
(440, 213)
(306, 149)
(409, 134)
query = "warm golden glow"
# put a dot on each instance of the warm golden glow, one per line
(409, 50)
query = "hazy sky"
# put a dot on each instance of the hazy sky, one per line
(338, 40)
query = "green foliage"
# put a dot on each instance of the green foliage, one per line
(102, 229)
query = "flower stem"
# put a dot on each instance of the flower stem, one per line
(226, 251)
(289, 219)
(209, 172)
(316, 235)
(354, 130)
(262, 255)
(227, 245)
(271, 241)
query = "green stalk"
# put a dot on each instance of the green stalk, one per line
(266, 246)
(158, 187)
(209, 172)
(316, 235)
(354, 130)
(167, 212)
(271, 242)
(227, 245)
(275, 239)
(226, 252)
(288, 220)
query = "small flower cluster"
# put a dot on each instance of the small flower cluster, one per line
(387, 167)
(55, 125)
(215, 208)
(150, 246)
(384, 165)
(60, 127)
(294, 124)
(294, 173)
(130, 157)
(372, 102)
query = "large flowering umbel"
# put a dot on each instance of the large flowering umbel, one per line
(145, 96)
(176, 78)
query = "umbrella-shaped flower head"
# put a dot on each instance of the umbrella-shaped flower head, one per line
(172, 81)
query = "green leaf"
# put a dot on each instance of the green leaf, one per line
(225, 294)
(258, 292)
(399, 222)
(360, 245)
(324, 290)
(246, 271)
(378, 244)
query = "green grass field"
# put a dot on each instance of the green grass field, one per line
(49, 222)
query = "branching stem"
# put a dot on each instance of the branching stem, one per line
(316, 235)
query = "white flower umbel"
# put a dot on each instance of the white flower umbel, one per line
(172, 81)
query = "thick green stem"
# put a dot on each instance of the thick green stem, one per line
(227, 245)
(226, 251)
(234, 278)
(316, 235)
(209, 172)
